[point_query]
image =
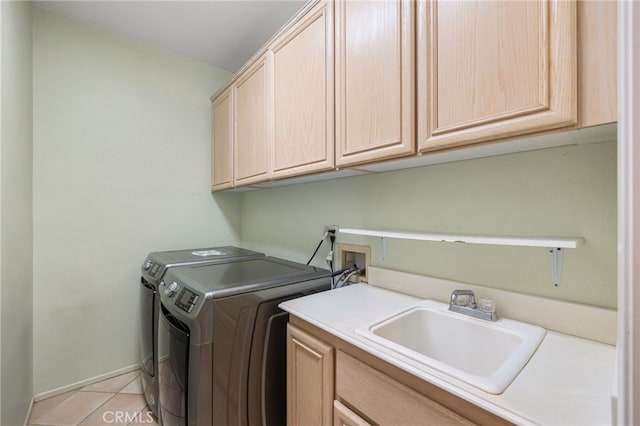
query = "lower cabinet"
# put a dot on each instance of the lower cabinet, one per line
(330, 381)
(310, 369)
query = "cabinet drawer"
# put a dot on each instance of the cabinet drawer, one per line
(342, 416)
(383, 400)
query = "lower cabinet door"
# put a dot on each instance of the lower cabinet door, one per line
(310, 390)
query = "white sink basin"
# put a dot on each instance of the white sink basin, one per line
(484, 354)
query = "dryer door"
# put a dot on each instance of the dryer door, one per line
(147, 326)
(173, 368)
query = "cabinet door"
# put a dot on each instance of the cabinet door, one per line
(342, 416)
(221, 142)
(252, 133)
(310, 370)
(303, 95)
(598, 62)
(375, 80)
(493, 69)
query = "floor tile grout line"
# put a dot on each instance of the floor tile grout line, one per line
(131, 381)
(82, 389)
(97, 408)
(51, 408)
(136, 414)
(113, 394)
(102, 391)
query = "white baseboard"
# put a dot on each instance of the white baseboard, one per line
(83, 383)
(26, 420)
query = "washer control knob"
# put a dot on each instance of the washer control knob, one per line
(172, 289)
(147, 265)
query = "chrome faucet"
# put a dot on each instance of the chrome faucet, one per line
(464, 302)
(471, 303)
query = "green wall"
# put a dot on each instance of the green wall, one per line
(16, 279)
(121, 168)
(565, 191)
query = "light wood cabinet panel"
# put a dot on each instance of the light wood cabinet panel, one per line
(598, 62)
(252, 128)
(493, 69)
(310, 372)
(412, 75)
(370, 390)
(385, 401)
(342, 416)
(375, 80)
(221, 142)
(304, 95)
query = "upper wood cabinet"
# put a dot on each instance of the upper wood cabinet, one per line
(303, 95)
(222, 142)
(252, 132)
(492, 69)
(412, 75)
(375, 80)
(597, 62)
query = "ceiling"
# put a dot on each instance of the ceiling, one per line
(220, 33)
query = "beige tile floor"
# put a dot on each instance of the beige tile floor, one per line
(116, 401)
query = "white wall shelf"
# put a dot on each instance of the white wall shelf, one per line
(554, 245)
(555, 242)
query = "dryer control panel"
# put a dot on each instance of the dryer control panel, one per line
(187, 299)
(151, 267)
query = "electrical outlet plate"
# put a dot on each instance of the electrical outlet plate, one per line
(348, 254)
(333, 228)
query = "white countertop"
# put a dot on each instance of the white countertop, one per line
(568, 381)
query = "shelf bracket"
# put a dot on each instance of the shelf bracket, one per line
(555, 257)
(383, 246)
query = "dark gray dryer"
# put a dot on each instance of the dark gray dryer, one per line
(153, 270)
(222, 340)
